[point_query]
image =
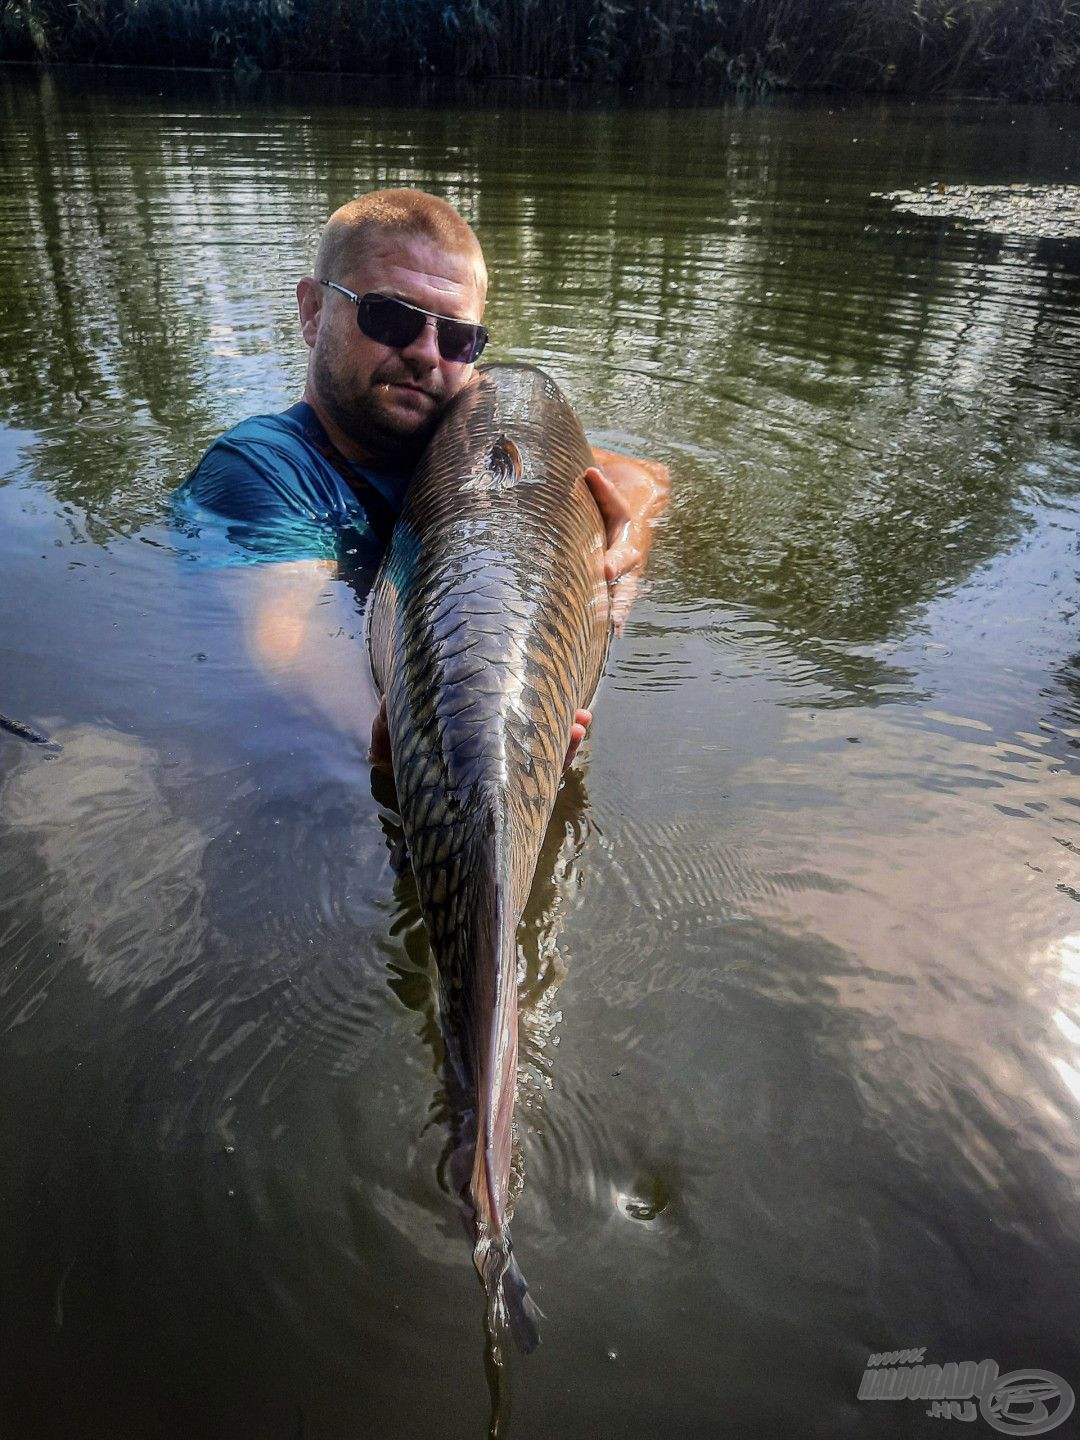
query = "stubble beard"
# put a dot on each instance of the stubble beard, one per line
(394, 440)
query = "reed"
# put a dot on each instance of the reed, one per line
(1016, 48)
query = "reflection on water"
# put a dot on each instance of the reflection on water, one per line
(1040, 212)
(800, 1068)
(130, 909)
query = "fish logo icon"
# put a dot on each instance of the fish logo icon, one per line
(1027, 1402)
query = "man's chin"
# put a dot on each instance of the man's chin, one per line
(404, 428)
(391, 426)
(407, 409)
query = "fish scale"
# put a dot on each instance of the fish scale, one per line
(489, 623)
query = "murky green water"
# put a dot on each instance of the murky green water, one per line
(802, 1060)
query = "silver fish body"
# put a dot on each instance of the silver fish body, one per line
(488, 628)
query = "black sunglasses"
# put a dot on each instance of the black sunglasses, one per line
(392, 322)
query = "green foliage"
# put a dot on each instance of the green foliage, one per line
(1020, 48)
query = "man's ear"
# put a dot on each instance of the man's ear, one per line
(309, 298)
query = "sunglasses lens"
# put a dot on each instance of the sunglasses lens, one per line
(460, 341)
(388, 321)
(391, 322)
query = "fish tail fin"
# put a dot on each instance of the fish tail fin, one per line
(509, 1304)
(495, 938)
(523, 1315)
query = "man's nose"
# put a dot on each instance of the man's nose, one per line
(425, 348)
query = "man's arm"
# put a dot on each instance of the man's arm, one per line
(631, 495)
(283, 597)
(258, 486)
(303, 631)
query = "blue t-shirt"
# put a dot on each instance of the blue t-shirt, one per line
(286, 493)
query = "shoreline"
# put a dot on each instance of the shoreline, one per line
(428, 87)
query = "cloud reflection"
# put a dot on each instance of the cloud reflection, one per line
(122, 886)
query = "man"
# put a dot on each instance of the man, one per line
(392, 318)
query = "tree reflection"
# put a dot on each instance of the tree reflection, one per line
(847, 396)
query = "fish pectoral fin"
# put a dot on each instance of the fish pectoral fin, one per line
(399, 856)
(504, 463)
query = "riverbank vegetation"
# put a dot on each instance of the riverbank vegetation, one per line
(1025, 49)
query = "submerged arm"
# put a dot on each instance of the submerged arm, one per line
(283, 600)
(303, 631)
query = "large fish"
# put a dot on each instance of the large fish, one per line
(488, 628)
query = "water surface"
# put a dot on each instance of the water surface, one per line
(801, 1056)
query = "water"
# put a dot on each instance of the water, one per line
(801, 1055)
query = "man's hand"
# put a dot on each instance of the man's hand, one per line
(582, 721)
(380, 758)
(623, 555)
(631, 495)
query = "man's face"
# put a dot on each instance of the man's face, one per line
(383, 399)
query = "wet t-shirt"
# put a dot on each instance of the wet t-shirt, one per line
(284, 492)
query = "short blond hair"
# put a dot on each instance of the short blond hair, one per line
(353, 231)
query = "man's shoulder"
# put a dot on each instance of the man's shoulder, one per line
(271, 445)
(268, 465)
(288, 429)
